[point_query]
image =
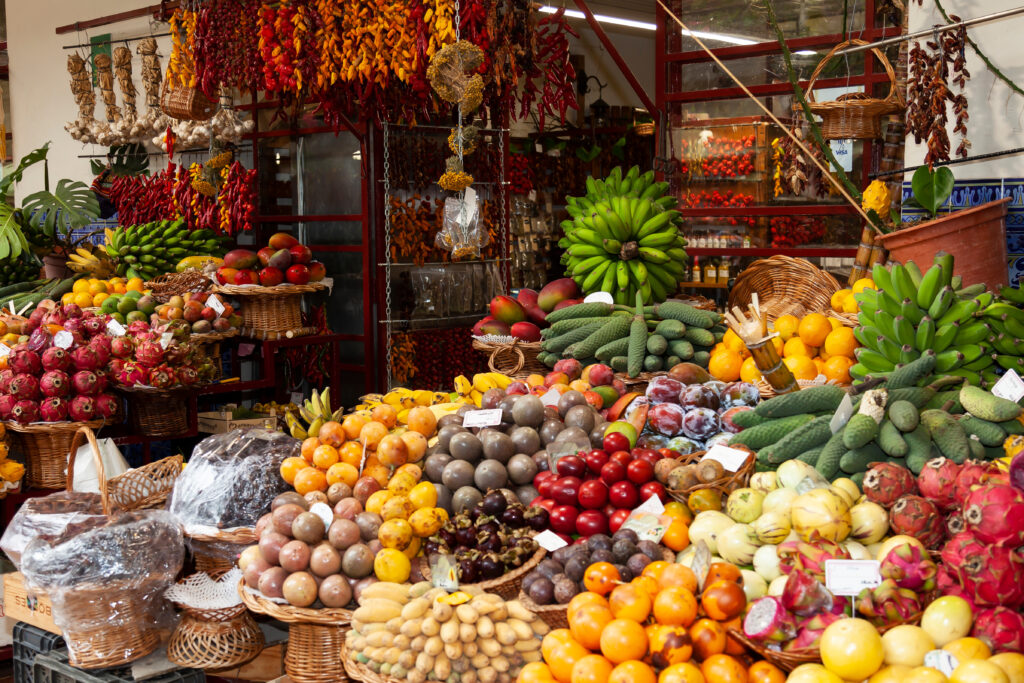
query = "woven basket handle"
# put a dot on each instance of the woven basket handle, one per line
(84, 433)
(893, 96)
(520, 360)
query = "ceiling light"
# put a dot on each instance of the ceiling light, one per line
(647, 26)
(805, 53)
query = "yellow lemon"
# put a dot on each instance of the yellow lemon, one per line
(68, 298)
(838, 300)
(813, 329)
(134, 284)
(862, 284)
(98, 298)
(796, 346)
(749, 371)
(1012, 664)
(733, 342)
(786, 326)
(851, 306)
(83, 299)
(968, 648)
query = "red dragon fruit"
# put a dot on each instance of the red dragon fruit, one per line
(149, 353)
(7, 402)
(187, 375)
(25, 412)
(6, 375)
(162, 377)
(955, 523)
(102, 350)
(71, 311)
(54, 409)
(21, 359)
(809, 631)
(82, 409)
(24, 387)
(918, 517)
(810, 557)
(55, 383)
(85, 383)
(102, 380)
(121, 347)
(131, 374)
(94, 326)
(995, 513)
(805, 595)
(137, 327)
(935, 482)
(107, 405)
(56, 358)
(949, 584)
(887, 603)
(1000, 628)
(75, 326)
(991, 574)
(885, 483)
(768, 621)
(910, 568)
(972, 473)
(85, 358)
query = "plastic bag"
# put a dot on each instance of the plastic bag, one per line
(231, 480)
(462, 233)
(114, 464)
(53, 518)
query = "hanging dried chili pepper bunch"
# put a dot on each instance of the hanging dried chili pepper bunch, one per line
(793, 170)
(549, 63)
(226, 45)
(933, 71)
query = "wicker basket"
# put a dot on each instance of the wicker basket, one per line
(186, 104)
(555, 616)
(157, 412)
(215, 639)
(357, 671)
(210, 551)
(271, 309)
(141, 488)
(724, 485)
(507, 585)
(854, 115)
(515, 358)
(45, 448)
(644, 129)
(167, 285)
(787, 661)
(784, 285)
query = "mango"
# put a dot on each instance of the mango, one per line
(526, 331)
(556, 292)
(241, 259)
(507, 310)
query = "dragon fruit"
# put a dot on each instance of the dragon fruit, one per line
(972, 473)
(935, 482)
(102, 380)
(54, 409)
(810, 557)
(149, 353)
(21, 359)
(887, 603)
(804, 595)
(990, 574)
(121, 347)
(71, 311)
(955, 524)
(85, 358)
(187, 375)
(949, 584)
(131, 374)
(93, 326)
(137, 327)
(102, 350)
(7, 402)
(6, 375)
(918, 517)
(809, 631)
(1000, 628)
(56, 358)
(85, 383)
(768, 621)
(82, 409)
(74, 326)
(107, 405)
(995, 513)
(25, 412)
(55, 383)
(162, 377)
(39, 340)
(910, 568)
(24, 387)
(885, 483)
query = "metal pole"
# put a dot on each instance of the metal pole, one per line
(931, 31)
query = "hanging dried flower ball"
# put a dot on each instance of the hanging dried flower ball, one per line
(448, 70)
(455, 181)
(470, 139)
(473, 95)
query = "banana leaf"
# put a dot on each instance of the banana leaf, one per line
(72, 205)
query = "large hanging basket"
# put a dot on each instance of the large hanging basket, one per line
(186, 104)
(515, 358)
(45, 447)
(158, 412)
(275, 309)
(854, 115)
(784, 285)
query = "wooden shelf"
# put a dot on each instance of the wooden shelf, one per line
(811, 252)
(703, 285)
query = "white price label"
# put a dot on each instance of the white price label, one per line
(550, 398)
(325, 513)
(850, 577)
(482, 418)
(732, 459)
(942, 661)
(63, 339)
(115, 328)
(1010, 386)
(165, 339)
(216, 304)
(443, 573)
(843, 414)
(598, 297)
(5, 350)
(550, 541)
(297, 398)
(647, 520)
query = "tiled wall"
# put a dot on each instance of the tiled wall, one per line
(967, 193)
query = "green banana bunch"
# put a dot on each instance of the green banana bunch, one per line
(623, 238)
(154, 248)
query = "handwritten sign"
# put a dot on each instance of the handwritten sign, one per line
(216, 304)
(1010, 386)
(850, 577)
(648, 520)
(482, 418)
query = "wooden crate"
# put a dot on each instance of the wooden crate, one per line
(20, 605)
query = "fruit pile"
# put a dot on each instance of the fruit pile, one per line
(92, 292)
(661, 337)
(158, 355)
(793, 231)
(844, 301)
(524, 316)
(284, 259)
(718, 157)
(729, 199)
(131, 306)
(21, 269)
(148, 250)
(624, 238)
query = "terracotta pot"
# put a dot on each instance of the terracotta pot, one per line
(976, 237)
(56, 265)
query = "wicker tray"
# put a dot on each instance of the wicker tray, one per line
(140, 488)
(784, 285)
(158, 412)
(214, 337)
(555, 616)
(328, 616)
(724, 485)
(167, 285)
(507, 585)
(360, 672)
(515, 359)
(787, 661)
(209, 557)
(271, 309)
(45, 447)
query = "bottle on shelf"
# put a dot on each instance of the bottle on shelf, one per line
(723, 271)
(696, 270)
(710, 273)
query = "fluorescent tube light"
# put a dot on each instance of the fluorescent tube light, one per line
(805, 53)
(647, 26)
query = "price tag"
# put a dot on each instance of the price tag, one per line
(732, 459)
(63, 339)
(246, 350)
(443, 573)
(843, 414)
(5, 350)
(648, 521)
(701, 562)
(325, 513)
(297, 398)
(482, 418)
(600, 297)
(216, 304)
(165, 339)
(941, 661)
(1010, 386)
(550, 398)
(550, 541)
(115, 328)
(850, 577)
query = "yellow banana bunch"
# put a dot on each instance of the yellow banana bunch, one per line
(295, 427)
(83, 260)
(472, 391)
(402, 399)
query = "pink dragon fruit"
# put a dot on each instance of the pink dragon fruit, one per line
(137, 327)
(24, 387)
(888, 603)
(810, 557)
(71, 311)
(935, 482)
(102, 350)
(7, 402)
(102, 380)
(972, 473)
(93, 326)
(25, 412)
(54, 409)
(809, 631)
(85, 358)
(131, 374)
(187, 375)
(114, 368)
(910, 568)
(56, 358)
(107, 405)
(885, 483)
(121, 347)
(6, 375)
(768, 621)
(1000, 628)
(82, 409)
(162, 377)
(85, 383)
(805, 595)
(75, 326)
(949, 584)
(55, 383)
(995, 513)
(918, 517)
(992, 575)
(23, 360)
(955, 523)
(149, 353)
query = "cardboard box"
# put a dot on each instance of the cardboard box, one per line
(221, 422)
(21, 606)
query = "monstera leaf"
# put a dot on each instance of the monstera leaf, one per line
(125, 160)
(14, 175)
(12, 239)
(73, 205)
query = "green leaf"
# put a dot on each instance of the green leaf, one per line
(584, 154)
(125, 160)
(932, 187)
(14, 175)
(12, 239)
(73, 205)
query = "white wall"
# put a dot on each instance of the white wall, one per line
(996, 112)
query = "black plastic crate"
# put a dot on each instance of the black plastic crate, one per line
(30, 641)
(54, 668)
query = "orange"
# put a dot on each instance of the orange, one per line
(629, 602)
(819, 364)
(725, 365)
(765, 672)
(802, 367)
(622, 640)
(733, 646)
(324, 456)
(677, 535)
(654, 569)
(535, 672)
(723, 669)
(371, 434)
(675, 509)
(134, 284)
(83, 299)
(585, 598)
(838, 299)
(704, 499)
(385, 414)
(591, 669)
(586, 624)
(708, 638)
(749, 371)
(678, 575)
(675, 606)
(733, 342)
(723, 599)
(837, 369)
(332, 433)
(687, 672)
(851, 306)
(342, 472)
(835, 323)
(601, 577)
(352, 424)
(668, 645)
(308, 446)
(310, 479)
(290, 467)
(841, 342)
(813, 329)
(564, 658)
(422, 420)
(351, 453)
(786, 326)
(97, 299)
(796, 347)
(633, 671)
(554, 640)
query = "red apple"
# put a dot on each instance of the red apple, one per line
(590, 522)
(599, 374)
(298, 274)
(270, 277)
(617, 519)
(593, 494)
